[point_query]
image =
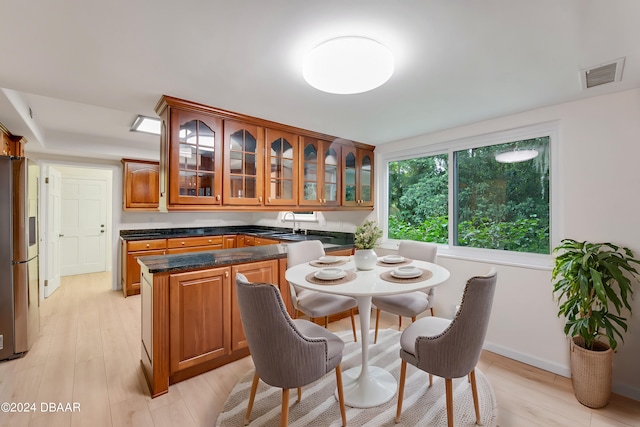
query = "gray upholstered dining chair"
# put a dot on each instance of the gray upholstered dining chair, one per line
(287, 353)
(450, 348)
(312, 303)
(412, 303)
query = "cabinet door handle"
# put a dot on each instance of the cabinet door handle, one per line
(226, 274)
(148, 245)
(218, 197)
(182, 243)
(260, 199)
(210, 240)
(269, 199)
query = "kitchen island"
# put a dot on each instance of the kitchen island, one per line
(190, 317)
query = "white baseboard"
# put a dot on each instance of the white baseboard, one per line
(627, 390)
(564, 371)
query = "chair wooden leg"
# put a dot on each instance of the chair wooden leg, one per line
(413, 319)
(252, 396)
(299, 394)
(432, 311)
(399, 322)
(343, 413)
(403, 375)
(284, 419)
(353, 325)
(375, 336)
(326, 321)
(448, 383)
(474, 390)
(430, 380)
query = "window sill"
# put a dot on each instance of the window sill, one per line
(489, 256)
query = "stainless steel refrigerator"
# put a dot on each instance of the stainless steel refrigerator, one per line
(19, 282)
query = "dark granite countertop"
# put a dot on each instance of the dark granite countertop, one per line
(222, 257)
(282, 234)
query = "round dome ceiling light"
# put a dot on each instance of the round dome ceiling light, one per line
(516, 156)
(348, 65)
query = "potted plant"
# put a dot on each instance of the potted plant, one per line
(365, 239)
(593, 285)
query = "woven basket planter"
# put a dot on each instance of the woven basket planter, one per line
(591, 372)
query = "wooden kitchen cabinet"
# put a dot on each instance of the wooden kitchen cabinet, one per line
(255, 272)
(263, 241)
(212, 159)
(243, 163)
(141, 180)
(11, 145)
(194, 244)
(357, 177)
(229, 242)
(199, 301)
(190, 156)
(320, 173)
(130, 269)
(281, 167)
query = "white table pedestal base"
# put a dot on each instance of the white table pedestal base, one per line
(367, 386)
(374, 389)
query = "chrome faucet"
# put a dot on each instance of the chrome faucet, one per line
(284, 217)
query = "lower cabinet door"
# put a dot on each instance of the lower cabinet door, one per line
(256, 272)
(200, 314)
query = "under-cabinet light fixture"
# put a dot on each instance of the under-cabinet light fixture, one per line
(146, 124)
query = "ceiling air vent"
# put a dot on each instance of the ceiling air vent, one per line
(602, 74)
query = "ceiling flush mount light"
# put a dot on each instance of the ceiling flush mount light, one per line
(516, 156)
(348, 65)
(146, 124)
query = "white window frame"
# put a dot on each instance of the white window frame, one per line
(520, 259)
(300, 217)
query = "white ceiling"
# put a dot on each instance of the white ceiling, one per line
(86, 68)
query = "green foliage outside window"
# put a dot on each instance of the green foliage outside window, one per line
(501, 206)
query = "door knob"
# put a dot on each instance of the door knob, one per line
(102, 231)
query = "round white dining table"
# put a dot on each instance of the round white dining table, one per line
(367, 386)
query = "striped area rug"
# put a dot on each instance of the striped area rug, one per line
(423, 405)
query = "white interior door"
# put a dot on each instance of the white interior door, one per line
(54, 188)
(83, 228)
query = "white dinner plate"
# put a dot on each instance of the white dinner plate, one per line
(330, 273)
(328, 259)
(392, 259)
(406, 272)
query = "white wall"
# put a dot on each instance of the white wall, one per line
(599, 173)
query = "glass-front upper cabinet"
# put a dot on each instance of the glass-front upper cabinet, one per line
(281, 168)
(243, 178)
(320, 174)
(357, 176)
(196, 159)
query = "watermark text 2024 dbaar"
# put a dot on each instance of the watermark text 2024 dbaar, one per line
(40, 407)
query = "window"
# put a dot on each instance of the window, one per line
(419, 199)
(463, 194)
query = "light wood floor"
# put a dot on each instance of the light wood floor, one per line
(89, 353)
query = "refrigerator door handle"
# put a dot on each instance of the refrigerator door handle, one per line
(24, 262)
